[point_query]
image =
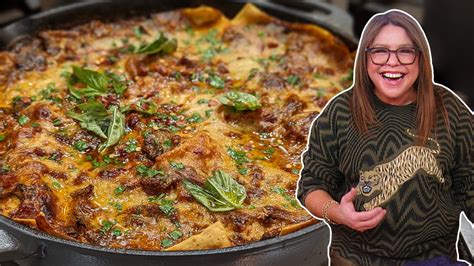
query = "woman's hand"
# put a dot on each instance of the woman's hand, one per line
(346, 214)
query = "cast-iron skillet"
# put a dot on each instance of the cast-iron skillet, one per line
(307, 246)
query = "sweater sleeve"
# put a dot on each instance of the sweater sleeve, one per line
(320, 160)
(463, 170)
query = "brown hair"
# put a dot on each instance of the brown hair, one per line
(428, 102)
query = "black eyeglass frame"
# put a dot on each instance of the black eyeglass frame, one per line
(369, 50)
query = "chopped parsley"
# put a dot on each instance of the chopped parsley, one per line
(269, 152)
(23, 119)
(5, 168)
(176, 234)
(195, 118)
(318, 75)
(166, 242)
(167, 143)
(165, 205)
(239, 157)
(57, 122)
(106, 226)
(80, 145)
(203, 101)
(119, 190)
(117, 205)
(2, 137)
(253, 72)
(284, 193)
(243, 171)
(54, 157)
(293, 80)
(149, 172)
(56, 185)
(116, 232)
(176, 165)
(131, 146)
(46, 94)
(216, 81)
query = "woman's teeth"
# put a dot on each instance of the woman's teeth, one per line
(392, 75)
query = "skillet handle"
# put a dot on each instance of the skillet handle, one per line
(12, 249)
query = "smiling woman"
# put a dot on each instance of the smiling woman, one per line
(386, 165)
(393, 76)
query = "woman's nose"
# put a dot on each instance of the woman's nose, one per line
(393, 59)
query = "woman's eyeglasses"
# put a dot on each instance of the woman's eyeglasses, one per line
(380, 55)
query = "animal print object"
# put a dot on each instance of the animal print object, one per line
(386, 179)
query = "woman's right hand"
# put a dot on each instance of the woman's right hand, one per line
(346, 214)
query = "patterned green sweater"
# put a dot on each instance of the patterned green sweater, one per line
(423, 189)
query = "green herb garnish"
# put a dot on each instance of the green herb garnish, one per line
(57, 122)
(106, 226)
(166, 242)
(167, 143)
(239, 157)
(96, 82)
(118, 82)
(23, 119)
(149, 172)
(161, 45)
(195, 118)
(116, 232)
(56, 185)
(220, 192)
(116, 129)
(293, 80)
(284, 193)
(131, 146)
(240, 101)
(176, 165)
(176, 234)
(138, 32)
(80, 145)
(216, 81)
(166, 205)
(119, 190)
(93, 117)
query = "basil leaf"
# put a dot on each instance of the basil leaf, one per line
(88, 122)
(240, 101)
(118, 82)
(94, 108)
(159, 45)
(220, 193)
(92, 118)
(91, 78)
(227, 188)
(116, 129)
(206, 198)
(85, 92)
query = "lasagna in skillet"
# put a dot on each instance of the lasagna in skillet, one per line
(180, 131)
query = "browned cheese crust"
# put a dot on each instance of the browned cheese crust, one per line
(132, 195)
